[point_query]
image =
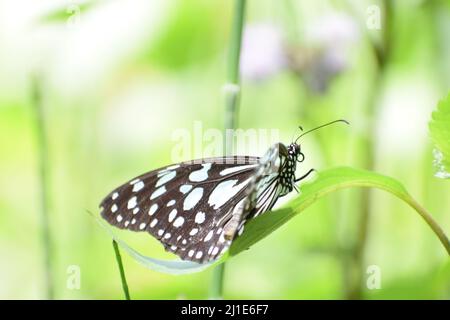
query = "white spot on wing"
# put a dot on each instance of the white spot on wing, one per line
(114, 208)
(199, 254)
(192, 199)
(185, 188)
(153, 223)
(158, 192)
(166, 178)
(115, 195)
(132, 203)
(119, 218)
(167, 170)
(200, 175)
(208, 236)
(171, 203)
(135, 210)
(153, 209)
(138, 186)
(178, 222)
(226, 171)
(142, 226)
(162, 173)
(160, 232)
(224, 191)
(172, 215)
(200, 217)
(193, 232)
(191, 253)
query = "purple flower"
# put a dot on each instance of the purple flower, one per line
(333, 35)
(262, 54)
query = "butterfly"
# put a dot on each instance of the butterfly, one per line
(197, 208)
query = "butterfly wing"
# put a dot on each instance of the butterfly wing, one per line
(184, 206)
(260, 195)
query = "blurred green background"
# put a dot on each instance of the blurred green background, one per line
(118, 77)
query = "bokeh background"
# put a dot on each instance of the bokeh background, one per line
(117, 78)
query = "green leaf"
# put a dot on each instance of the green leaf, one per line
(440, 134)
(175, 267)
(327, 181)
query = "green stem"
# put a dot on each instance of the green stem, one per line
(216, 290)
(431, 222)
(232, 88)
(381, 54)
(232, 91)
(44, 184)
(121, 270)
(236, 40)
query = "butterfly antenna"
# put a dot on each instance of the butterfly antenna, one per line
(293, 133)
(321, 126)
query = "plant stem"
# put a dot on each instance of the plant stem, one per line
(121, 270)
(236, 41)
(44, 184)
(216, 290)
(232, 91)
(232, 88)
(431, 222)
(381, 54)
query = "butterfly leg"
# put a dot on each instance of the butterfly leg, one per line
(232, 225)
(240, 212)
(305, 175)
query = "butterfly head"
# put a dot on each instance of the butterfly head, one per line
(288, 157)
(294, 151)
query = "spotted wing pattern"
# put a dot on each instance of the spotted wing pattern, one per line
(185, 206)
(196, 209)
